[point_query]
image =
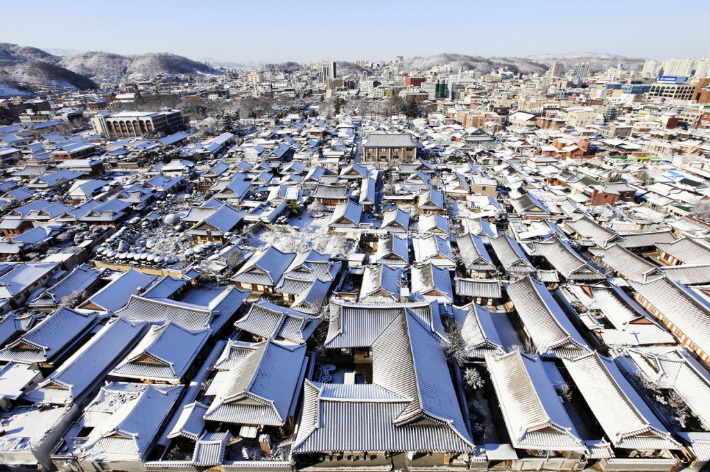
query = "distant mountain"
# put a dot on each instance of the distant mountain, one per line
(596, 61)
(474, 63)
(12, 54)
(104, 64)
(33, 67)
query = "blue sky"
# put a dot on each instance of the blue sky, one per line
(305, 30)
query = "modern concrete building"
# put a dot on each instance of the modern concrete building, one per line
(137, 123)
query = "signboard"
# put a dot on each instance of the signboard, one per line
(673, 79)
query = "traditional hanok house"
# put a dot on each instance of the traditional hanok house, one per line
(331, 195)
(477, 330)
(30, 172)
(407, 169)
(164, 354)
(305, 268)
(368, 192)
(264, 270)
(119, 428)
(51, 341)
(530, 208)
(474, 256)
(625, 263)
(589, 233)
(381, 283)
(285, 193)
(433, 224)
(295, 168)
(346, 215)
(645, 240)
(54, 179)
(42, 213)
(80, 280)
(457, 187)
(431, 201)
(688, 274)
(268, 321)
(11, 249)
(393, 250)
(262, 386)
(535, 414)
(311, 300)
(24, 210)
(235, 190)
(543, 321)
(312, 178)
(417, 182)
(354, 172)
(682, 309)
(431, 283)
(683, 251)
(19, 281)
(265, 179)
(119, 291)
(395, 221)
(218, 226)
(626, 322)
(566, 261)
(672, 370)
(189, 424)
(510, 255)
(164, 183)
(415, 411)
(77, 377)
(41, 236)
(83, 190)
(109, 213)
(136, 196)
(18, 195)
(434, 249)
(639, 439)
(481, 291)
(210, 177)
(12, 226)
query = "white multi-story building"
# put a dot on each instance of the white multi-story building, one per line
(651, 68)
(678, 67)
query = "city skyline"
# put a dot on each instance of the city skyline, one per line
(316, 30)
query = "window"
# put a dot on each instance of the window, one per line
(383, 149)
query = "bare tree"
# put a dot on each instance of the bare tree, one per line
(679, 408)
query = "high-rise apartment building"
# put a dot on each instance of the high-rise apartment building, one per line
(361, 62)
(678, 67)
(327, 70)
(581, 70)
(555, 70)
(651, 68)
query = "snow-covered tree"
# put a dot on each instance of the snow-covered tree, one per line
(171, 219)
(73, 299)
(316, 207)
(473, 379)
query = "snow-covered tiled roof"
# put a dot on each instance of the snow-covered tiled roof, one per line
(164, 354)
(260, 388)
(85, 368)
